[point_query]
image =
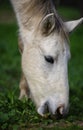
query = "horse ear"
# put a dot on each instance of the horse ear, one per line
(71, 25)
(47, 24)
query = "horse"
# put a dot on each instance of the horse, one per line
(44, 47)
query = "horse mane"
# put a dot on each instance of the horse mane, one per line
(41, 8)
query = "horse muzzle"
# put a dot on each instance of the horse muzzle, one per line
(53, 109)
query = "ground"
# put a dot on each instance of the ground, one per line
(21, 115)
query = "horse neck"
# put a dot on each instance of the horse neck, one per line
(29, 14)
(27, 18)
(18, 9)
(30, 11)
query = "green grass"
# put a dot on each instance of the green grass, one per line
(16, 114)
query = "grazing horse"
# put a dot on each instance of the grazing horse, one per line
(44, 46)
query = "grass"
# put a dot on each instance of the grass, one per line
(16, 114)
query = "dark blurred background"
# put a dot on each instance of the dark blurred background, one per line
(72, 3)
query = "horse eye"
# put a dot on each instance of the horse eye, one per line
(49, 59)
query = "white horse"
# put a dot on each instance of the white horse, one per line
(44, 46)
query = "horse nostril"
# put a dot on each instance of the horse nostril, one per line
(60, 110)
(43, 109)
